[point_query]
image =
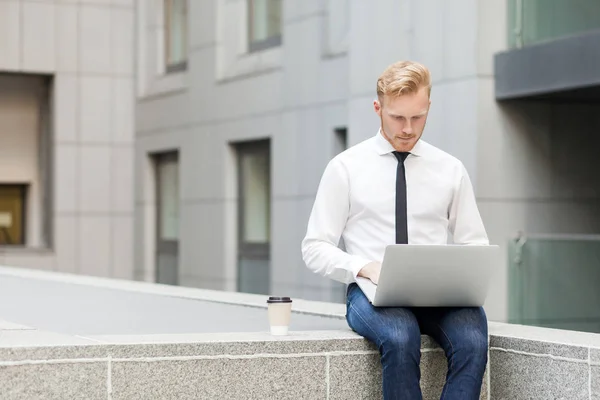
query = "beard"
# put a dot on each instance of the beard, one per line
(400, 142)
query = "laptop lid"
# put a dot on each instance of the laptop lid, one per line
(435, 275)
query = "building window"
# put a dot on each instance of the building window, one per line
(536, 21)
(167, 195)
(26, 153)
(264, 24)
(12, 215)
(176, 35)
(255, 195)
(340, 140)
(254, 207)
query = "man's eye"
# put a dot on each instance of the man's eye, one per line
(419, 117)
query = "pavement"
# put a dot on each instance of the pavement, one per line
(84, 310)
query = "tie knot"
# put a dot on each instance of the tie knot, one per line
(401, 155)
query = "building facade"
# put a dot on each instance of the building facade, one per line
(67, 136)
(237, 107)
(262, 94)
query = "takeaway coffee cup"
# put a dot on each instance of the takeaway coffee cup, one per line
(280, 311)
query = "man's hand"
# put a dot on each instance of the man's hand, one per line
(371, 271)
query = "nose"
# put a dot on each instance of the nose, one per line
(407, 127)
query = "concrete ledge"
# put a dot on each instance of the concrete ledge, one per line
(525, 362)
(333, 364)
(312, 365)
(541, 363)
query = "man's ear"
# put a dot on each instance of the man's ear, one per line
(377, 107)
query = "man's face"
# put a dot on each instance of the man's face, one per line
(403, 118)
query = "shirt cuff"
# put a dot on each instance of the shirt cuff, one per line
(358, 264)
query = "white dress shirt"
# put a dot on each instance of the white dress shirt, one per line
(356, 201)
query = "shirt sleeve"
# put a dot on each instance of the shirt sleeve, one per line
(465, 224)
(326, 224)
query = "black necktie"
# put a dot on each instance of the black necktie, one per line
(401, 219)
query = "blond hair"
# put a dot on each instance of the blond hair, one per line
(403, 77)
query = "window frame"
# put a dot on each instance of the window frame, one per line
(181, 65)
(259, 45)
(233, 59)
(252, 252)
(252, 249)
(165, 246)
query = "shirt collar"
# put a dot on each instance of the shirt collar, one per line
(384, 147)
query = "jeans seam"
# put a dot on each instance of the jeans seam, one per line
(449, 341)
(365, 323)
(451, 359)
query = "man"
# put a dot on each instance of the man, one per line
(396, 188)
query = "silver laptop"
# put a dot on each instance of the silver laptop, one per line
(433, 276)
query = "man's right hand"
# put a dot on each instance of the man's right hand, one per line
(371, 271)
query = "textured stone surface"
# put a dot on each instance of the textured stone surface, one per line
(355, 377)
(54, 381)
(516, 376)
(359, 376)
(227, 337)
(428, 343)
(536, 333)
(31, 337)
(249, 347)
(595, 382)
(351, 375)
(240, 348)
(433, 374)
(484, 386)
(595, 355)
(194, 345)
(539, 347)
(245, 378)
(53, 352)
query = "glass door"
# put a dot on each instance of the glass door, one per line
(254, 208)
(167, 243)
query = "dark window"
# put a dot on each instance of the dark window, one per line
(12, 214)
(167, 217)
(341, 140)
(254, 208)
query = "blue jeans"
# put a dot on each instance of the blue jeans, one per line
(461, 332)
